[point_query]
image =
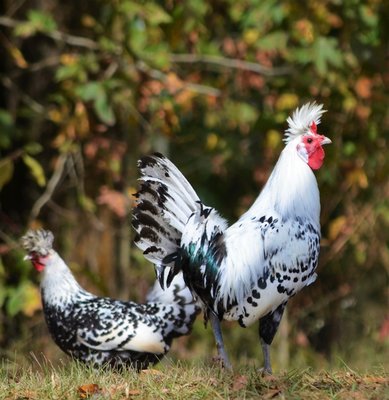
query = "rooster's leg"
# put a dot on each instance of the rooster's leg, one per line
(217, 332)
(266, 357)
(268, 326)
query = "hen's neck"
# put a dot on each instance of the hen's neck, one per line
(59, 287)
(291, 189)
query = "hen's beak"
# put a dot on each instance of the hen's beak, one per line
(326, 140)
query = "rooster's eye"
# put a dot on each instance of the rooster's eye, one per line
(309, 140)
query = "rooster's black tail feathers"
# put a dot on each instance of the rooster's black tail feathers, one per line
(165, 201)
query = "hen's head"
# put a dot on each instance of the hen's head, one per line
(303, 136)
(39, 245)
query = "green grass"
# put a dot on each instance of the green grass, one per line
(170, 380)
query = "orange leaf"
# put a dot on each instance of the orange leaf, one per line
(240, 382)
(173, 83)
(336, 227)
(134, 392)
(18, 57)
(363, 87)
(114, 200)
(358, 177)
(88, 390)
(381, 380)
(151, 371)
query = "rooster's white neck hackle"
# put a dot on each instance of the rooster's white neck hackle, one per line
(291, 189)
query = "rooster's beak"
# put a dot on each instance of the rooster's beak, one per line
(27, 257)
(326, 140)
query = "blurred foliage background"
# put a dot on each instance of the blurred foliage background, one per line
(87, 87)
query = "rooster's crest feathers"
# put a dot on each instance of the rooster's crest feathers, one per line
(304, 120)
(39, 241)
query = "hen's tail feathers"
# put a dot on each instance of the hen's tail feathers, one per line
(165, 201)
(179, 298)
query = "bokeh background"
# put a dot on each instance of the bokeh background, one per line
(87, 87)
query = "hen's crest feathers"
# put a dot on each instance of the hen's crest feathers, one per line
(38, 241)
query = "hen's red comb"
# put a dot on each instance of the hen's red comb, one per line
(313, 128)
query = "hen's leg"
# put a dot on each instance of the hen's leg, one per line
(217, 332)
(268, 326)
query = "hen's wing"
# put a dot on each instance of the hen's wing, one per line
(108, 325)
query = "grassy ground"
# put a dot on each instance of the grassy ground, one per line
(40, 380)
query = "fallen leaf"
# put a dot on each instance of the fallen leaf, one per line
(151, 371)
(133, 392)
(376, 379)
(213, 381)
(240, 382)
(88, 390)
(351, 395)
(271, 394)
(269, 378)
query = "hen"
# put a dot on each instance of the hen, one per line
(247, 271)
(101, 330)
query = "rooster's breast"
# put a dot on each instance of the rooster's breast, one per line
(289, 255)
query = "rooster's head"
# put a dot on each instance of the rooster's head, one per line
(303, 136)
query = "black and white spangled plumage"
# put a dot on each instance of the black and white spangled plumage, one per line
(101, 330)
(249, 270)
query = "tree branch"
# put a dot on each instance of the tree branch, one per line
(51, 185)
(33, 104)
(71, 40)
(229, 63)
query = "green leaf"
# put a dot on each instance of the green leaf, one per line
(33, 148)
(42, 21)
(36, 169)
(275, 40)
(156, 15)
(87, 203)
(68, 72)
(37, 21)
(6, 171)
(130, 8)
(241, 112)
(104, 110)
(14, 303)
(6, 128)
(96, 92)
(25, 298)
(326, 52)
(90, 91)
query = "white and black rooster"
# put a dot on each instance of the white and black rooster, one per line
(247, 271)
(101, 330)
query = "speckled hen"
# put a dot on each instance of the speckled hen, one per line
(247, 271)
(101, 330)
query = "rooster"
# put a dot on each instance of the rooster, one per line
(100, 330)
(247, 271)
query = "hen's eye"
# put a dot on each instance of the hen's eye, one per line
(309, 140)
